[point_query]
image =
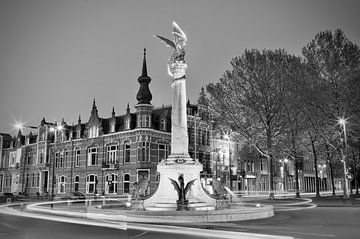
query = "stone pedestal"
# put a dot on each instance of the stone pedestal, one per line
(166, 196)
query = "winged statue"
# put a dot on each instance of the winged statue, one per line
(180, 189)
(178, 44)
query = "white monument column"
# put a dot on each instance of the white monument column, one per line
(179, 133)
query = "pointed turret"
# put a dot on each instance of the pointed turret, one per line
(144, 95)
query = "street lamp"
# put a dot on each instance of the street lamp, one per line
(230, 173)
(343, 122)
(284, 162)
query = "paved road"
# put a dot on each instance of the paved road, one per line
(14, 227)
(315, 223)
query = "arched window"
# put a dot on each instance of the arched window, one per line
(126, 183)
(162, 124)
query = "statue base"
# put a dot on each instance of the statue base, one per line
(166, 193)
(182, 205)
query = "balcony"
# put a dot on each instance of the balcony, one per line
(106, 165)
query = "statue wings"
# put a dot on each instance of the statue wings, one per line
(179, 37)
(176, 185)
(189, 185)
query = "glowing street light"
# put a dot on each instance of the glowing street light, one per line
(343, 122)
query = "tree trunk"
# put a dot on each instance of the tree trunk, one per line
(331, 169)
(297, 191)
(315, 166)
(270, 161)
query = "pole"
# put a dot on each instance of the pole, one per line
(230, 179)
(346, 182)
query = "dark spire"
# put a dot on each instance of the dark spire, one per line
(128, 109)
(94, 105)
(144, 95)
(79, 120)
(144, 68)
(113, 112)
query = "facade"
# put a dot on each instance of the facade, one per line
(107, 155)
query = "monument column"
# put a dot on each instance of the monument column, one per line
(179, 133)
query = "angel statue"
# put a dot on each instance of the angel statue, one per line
(178, 44)
(182, 190)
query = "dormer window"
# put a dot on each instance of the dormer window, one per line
(94, 131)
(163, 125)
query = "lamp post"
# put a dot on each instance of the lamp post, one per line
(229, 155)
(342, 122)
(54, 129)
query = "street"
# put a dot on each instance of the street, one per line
(14, 227)
(319, 222)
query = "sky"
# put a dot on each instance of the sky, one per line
(56, 56)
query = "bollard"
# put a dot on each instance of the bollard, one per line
(103, 202)
(22, 206)
(68, 203)
(90, 201)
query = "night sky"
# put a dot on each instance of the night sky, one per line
(56, 56)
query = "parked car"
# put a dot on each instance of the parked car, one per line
(73, 196)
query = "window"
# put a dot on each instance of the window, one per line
(57, 160)
(127, 122)
(33, 180)
(27, 180)
(61, 159)
(37, 180)
(127, 152)
(1, 182)
(28, 157)
(111, 181)
(126, 183)
(143, 151)
(62, 184)
(111, 154)
(144, 121)
(163, 125)
(92, 156)
(77, 158)
(41, 156)
(12, 159)
(162, 152)
(94, 132)
(91, 183)
(76, 183)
